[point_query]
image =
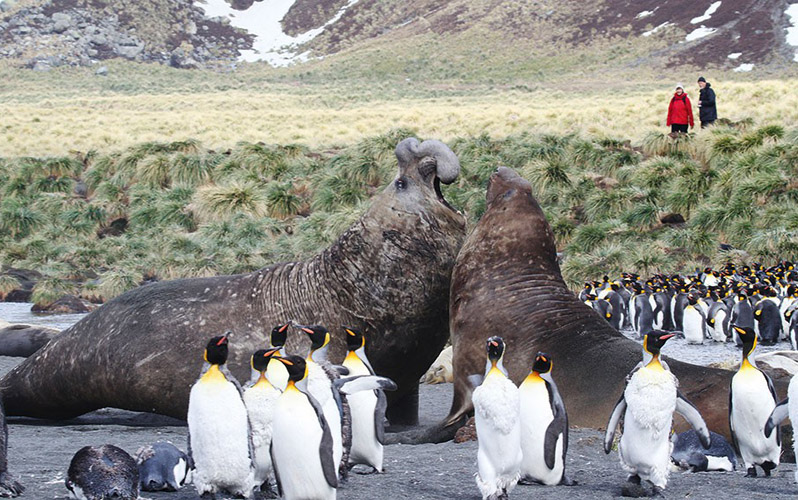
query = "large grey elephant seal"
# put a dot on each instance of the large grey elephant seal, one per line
(388, 274)
(23, 340)
(507, 282)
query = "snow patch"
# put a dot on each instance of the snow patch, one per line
(744, 68)
(262, 20)
(792, 31)
(642, 15)
(700, 33)
(661, 26)
(708, 14)
(735, 55)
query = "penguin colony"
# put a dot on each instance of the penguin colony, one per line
(291, 427)
(703, 306)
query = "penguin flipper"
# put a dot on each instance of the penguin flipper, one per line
(775, 398)
(777, 416)
(690, 413)
(379, 416)
(557, 427)
(351, 385)
(328, 465)
(615, 418)
(276, 471)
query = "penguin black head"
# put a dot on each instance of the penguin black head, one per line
(216, 350)
(692, 299)
(354, 339)
(279, 335)
(261, 358)
(319, 336)
(296, 366)
(495, 348)
(747, 336)
(542, 363)
(654, 340)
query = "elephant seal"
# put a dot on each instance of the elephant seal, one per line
(388, 275)
(100, 472)
(507, 281)
(24, 340)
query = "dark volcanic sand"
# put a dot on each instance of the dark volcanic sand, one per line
(39, 454)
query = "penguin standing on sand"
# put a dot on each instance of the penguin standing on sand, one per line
(694, 321)
(276, 372)
(260, 396)
(742, 315)
(784, 410)
(321, 375)
(791, 315)
(367, 407)
(302, 443)
(647, 405)
(218, 428)
(718, 321)
(768, 321)
(544, 426)
(751, 401)
(497, 418)
(643, 318)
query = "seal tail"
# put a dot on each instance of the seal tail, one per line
(9, 487)
(438, 433)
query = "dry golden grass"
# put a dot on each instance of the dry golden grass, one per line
(53, 123)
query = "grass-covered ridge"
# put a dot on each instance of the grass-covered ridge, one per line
(99, 223)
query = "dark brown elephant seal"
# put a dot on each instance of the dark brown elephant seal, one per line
(388, 274)
(24, 340)
(507, 282)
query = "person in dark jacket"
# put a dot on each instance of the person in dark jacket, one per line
(680, 111)
(707, 112)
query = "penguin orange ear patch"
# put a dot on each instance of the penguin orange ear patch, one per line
(758, 313)
(739, 330)
(609, 315)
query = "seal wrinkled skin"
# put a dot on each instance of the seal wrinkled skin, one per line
(388, 274)
(507, 280)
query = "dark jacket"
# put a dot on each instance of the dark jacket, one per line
(707, 112)
(680, 111)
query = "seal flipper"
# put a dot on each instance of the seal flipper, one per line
(690, 413)
(9, 487)
(615, 417)
(777, 416)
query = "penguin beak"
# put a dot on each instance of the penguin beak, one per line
(283, 328)
(272, 352)
(666, 337)
(285, 361)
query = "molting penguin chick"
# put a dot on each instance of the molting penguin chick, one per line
(218, 428)
(101, 472)
(162, 467)
(260, 396)
(751, 402)
(498, 422)
(647, 405)
(276, 372)
(302, 444)
(367, 407)
(544, 426)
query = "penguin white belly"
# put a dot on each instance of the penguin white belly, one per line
(659, 317)
(260, 400)
(295, 446)
(752, 404)
(792, 394)
(496, 412)
(785, 325)
(536, 415)
(633, 313)
(217, 422)
(366, 449)
(320, 386)
(719, 328)
(692, 323)
(277, 374)
(645, 445)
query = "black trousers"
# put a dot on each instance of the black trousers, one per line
(679, 128)
(707, 123)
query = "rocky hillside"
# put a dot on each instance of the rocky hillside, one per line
(722, 34)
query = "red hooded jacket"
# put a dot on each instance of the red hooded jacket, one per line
(680, 110)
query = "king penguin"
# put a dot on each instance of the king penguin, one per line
(784, 410)
(218, 428)
(647, 405)
(276, 372)
(260, 396)
(694, 321)
(751, 401)
(321, 375)
(367, 407)
(302, 444)
(544, 426)
(497, 418)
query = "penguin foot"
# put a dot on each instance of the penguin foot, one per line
(658, 492)
(567, 481)
(9, 487)
(751, 472)
(634, 490)
(208, 496)
(634, 479)
(364, 470)
(767, 467)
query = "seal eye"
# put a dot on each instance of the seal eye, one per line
(400, 184)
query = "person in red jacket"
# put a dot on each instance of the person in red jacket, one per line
(680, 111)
